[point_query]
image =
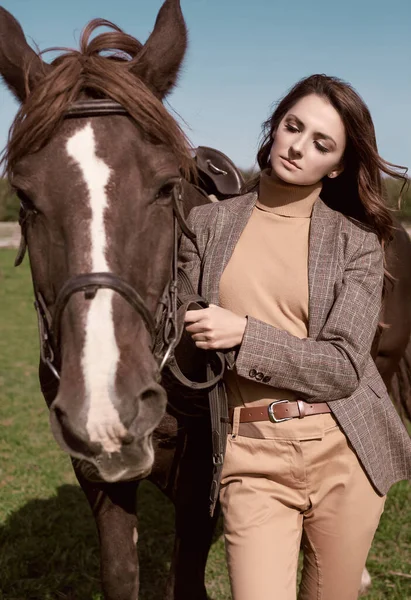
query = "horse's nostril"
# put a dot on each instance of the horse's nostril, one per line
(147, 394)
(70, 432)
(127, 439)
(58, 412)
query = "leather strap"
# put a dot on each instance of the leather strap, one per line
(213, 375)
(89, 283)
(95, 108)
(281, 410)
(217, 398)
(184, 342)
(189, 300)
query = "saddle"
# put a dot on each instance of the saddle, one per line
(218, 175)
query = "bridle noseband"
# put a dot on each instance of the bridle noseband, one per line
(162, 328)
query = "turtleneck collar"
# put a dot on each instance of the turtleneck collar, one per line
(286, 199)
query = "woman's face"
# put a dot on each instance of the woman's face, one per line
(309, 142)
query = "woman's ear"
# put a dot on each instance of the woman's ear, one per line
(336, 171)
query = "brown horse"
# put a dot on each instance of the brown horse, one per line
(98, 195)
(97, 162)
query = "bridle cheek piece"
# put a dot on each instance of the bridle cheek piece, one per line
(162, 328)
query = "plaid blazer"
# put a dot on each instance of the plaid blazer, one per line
(333, 364)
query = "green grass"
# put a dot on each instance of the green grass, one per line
(48, 542)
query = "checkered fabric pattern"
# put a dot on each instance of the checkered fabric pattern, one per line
(345, 273)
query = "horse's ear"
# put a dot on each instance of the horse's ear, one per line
(16, 56)
(161, 56)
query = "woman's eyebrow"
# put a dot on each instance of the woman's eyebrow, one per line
(325, 137)
(299, 122)
(316, 133)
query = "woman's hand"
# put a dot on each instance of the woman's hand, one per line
(215, 328)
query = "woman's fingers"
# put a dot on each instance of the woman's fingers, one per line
(193, 316)
(204, 346)
(196, 328)
(200, 337)
(215, 328)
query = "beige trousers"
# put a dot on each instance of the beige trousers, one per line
(300, 482)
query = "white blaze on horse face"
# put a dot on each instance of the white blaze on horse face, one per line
(100, 354)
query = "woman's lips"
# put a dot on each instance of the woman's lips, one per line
(289, 162)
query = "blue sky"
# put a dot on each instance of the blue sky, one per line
(245, 54)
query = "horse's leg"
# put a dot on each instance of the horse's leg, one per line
(114, 509)
(193, 524)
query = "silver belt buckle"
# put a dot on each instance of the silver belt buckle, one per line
(271, 414)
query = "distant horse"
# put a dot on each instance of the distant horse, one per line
(392, 343)
(392, 347)
(97, 163)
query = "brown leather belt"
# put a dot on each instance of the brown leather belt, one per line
(281, 410)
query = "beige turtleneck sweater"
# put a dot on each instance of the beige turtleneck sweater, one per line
(267, 275)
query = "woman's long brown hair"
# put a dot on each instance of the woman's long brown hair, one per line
(358, 192)
(104, 67)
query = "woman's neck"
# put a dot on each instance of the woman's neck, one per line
(286, 199)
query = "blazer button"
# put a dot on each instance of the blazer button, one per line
(259, 376)
(252, 373)
(266, 379)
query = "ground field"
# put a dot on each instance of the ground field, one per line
(48, 543)
(9, 235)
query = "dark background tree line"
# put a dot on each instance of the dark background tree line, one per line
(9, 204)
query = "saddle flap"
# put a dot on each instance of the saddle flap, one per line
(218, 173)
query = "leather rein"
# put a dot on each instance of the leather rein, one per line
(163, 327)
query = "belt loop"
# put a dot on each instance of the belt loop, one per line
(236, 421)
(301, 409)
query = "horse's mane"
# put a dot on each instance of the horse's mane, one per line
(101, 68)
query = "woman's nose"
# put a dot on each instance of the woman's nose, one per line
(296, 150)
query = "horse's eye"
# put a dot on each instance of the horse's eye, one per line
(166, 191)
(26, 204)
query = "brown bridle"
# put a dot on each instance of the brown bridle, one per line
(162, 328)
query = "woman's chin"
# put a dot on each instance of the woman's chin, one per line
(284, 174)
(290, 175)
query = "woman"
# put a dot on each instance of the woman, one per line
(295, 284)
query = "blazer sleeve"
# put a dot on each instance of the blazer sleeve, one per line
(201, 221)
(329, 367)
(188, 255)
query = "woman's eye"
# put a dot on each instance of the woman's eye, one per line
(321, 148)
(292, 128)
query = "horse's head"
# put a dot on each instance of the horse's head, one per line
(97, 194)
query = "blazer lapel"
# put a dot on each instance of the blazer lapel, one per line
(232, 218)
(322, 254)
(322, 264)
